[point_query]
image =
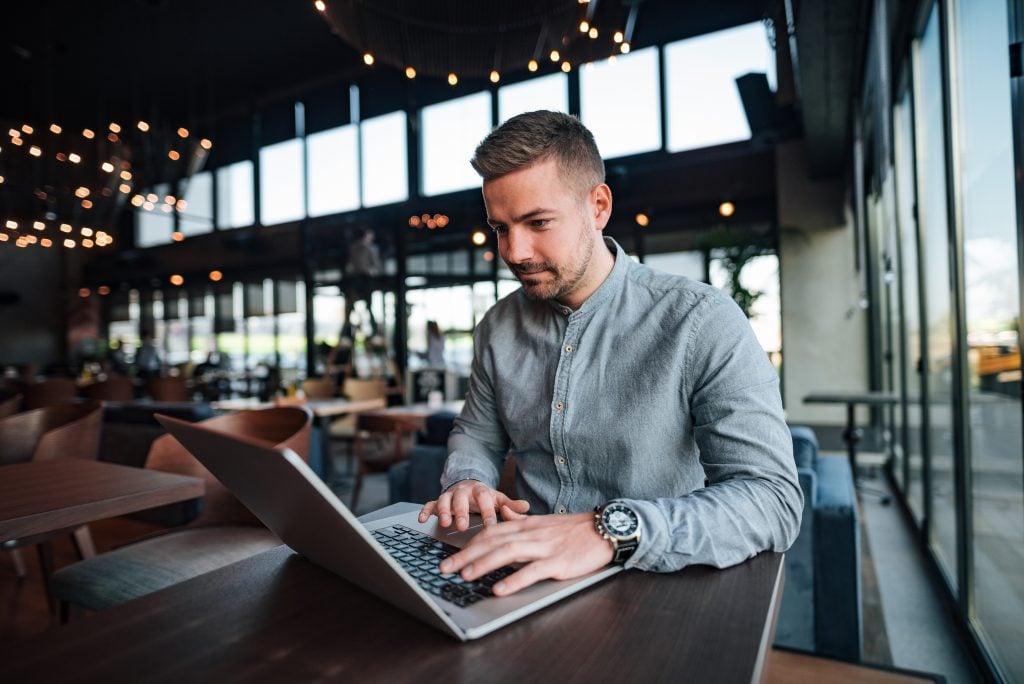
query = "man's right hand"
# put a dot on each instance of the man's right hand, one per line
(472, 496)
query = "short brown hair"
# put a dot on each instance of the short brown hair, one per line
(537, 136)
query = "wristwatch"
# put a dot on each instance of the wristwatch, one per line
(620, 525)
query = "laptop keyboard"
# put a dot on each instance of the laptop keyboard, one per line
(420, 555)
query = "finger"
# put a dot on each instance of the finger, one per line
(476, 560)
(444, 509)
(427, 511)
(486, 504)
(528, 575)
(460, 508)
(508, 513)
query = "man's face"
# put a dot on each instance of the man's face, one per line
(546, 232)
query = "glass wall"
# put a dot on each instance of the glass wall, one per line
(196, 217)
(332, 162)
(938, 322)
(451, 132)
(549, 92)
(154, 225)
(704, 106)
(235, 201)
(385, 164)
(992, 305)
(281, 182)
(620, 102)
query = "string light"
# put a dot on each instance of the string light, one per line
(617, 37)
(566, 67)
(177, 280)
(495, 76)
(143, 126)
(592, 32)
(453, 79)
(173, 155)
(320, 5)
(35, 151)
(87, 133)
(642, 220)
(28, 129)
(114, 128)
(74, 158)
(107, 166)
(216, 276)
(183, 132)
(555, 56)
(368, 59)
(55, 129)
(584, 26)
(726, 209)
(479, 238)
(205, 143)
(103, 290)
(177, 236)
(410, 72)
(532, 65)
(624, 48)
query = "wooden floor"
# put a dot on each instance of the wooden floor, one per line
(785, 667)
(23, 610)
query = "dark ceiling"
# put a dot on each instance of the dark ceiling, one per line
(85, 63)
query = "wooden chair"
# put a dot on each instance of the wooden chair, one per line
(69, 430)
(355, 389)
(10, 405)
(48, 392)
(224, 532)
(114, 388)
(318, 388)
(381, 441)
(168, 388)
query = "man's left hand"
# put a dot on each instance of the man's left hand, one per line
(552, 546)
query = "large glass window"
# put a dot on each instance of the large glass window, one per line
(281, 179)
(196, 216)
(235, 203)
(689, 264)
(909, 438)
(451, 132)
(154, 225)
(385, 165)
(549, 92)
(991, 287)
(931, 179)
(620, 102)
(332, 170)
(704, 106)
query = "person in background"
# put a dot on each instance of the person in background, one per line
(117, 361)
(148, 361)
(435, 345)
(363, 266)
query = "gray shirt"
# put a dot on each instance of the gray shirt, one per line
(655, 383)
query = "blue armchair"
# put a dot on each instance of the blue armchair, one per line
(821, 603)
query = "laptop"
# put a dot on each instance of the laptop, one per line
(394, 558)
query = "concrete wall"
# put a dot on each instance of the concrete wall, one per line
(824, 327)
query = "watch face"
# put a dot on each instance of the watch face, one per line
(620, 521)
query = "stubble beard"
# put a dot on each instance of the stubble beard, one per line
(562, 284)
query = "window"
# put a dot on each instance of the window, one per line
(689, 264)
(385, 164)
(154, 226)
(197, 216)
(332, 170)
(547, 92)
(704, 106)
(620, 102)
(451, 132)
(281, 182)
(235, 207)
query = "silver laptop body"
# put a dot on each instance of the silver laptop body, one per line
(292, 501)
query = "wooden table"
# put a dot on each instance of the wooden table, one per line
(417, 413)
(278, 617)
(852, 433)
(47, 496)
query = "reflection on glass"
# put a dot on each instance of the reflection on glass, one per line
(704, 106)
(931, 178)
(235, 207)
(549, 92)
(331, 163)
(451, 132)
(197, 215)
(385, 166)
(991, 279)
(281, 177)
(620, 102)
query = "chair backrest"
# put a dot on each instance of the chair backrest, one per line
(381, 425)
(70, 430)
(114, 388)
(169, 388)
(48, 392)
(365, 388)
(288, 426)
(318, 388)
(10, 406)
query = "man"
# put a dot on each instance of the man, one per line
(362, 268)
(614, 385)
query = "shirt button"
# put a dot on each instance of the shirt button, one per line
(568, 349)
(559, 406)
(561, 460)
(562, 510)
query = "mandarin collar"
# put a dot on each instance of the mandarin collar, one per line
(612, 284)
